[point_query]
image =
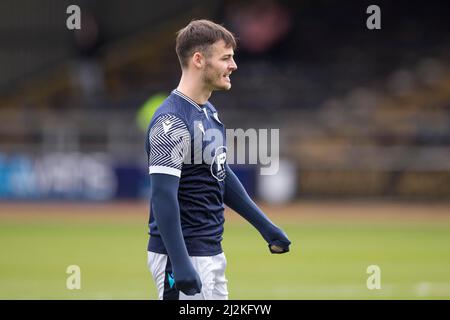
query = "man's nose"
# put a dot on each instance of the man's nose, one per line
(233, 66)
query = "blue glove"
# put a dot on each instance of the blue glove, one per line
(187, 280)
(278, 241)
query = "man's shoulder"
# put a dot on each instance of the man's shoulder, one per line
(171, 106)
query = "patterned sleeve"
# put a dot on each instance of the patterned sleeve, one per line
(169, 142)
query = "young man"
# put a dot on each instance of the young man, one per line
(190, 180)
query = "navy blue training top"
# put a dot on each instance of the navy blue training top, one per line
(187, 140)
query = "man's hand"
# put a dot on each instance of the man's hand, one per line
(279, 242)
(187, 280)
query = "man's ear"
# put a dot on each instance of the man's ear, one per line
(198, 60)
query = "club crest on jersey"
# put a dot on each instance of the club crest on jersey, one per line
(218, 163)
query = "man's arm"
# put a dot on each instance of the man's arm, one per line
(167, 215)
(238, 199)
(168, 143)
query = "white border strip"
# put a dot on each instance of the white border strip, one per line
(165, 170)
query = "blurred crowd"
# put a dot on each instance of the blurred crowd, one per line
(347, 100)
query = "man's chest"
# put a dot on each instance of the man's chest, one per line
(208, 143)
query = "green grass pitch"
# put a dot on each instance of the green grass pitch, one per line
(328, 258)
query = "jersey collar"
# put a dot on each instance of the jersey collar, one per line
(185, 97)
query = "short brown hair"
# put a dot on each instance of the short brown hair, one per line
(198, 35)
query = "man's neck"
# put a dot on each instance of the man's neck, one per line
(198, 93)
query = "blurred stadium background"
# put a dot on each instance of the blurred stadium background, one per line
(364, 143)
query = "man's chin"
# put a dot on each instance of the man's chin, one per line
(224, 87)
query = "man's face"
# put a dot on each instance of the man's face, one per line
(219, 66)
